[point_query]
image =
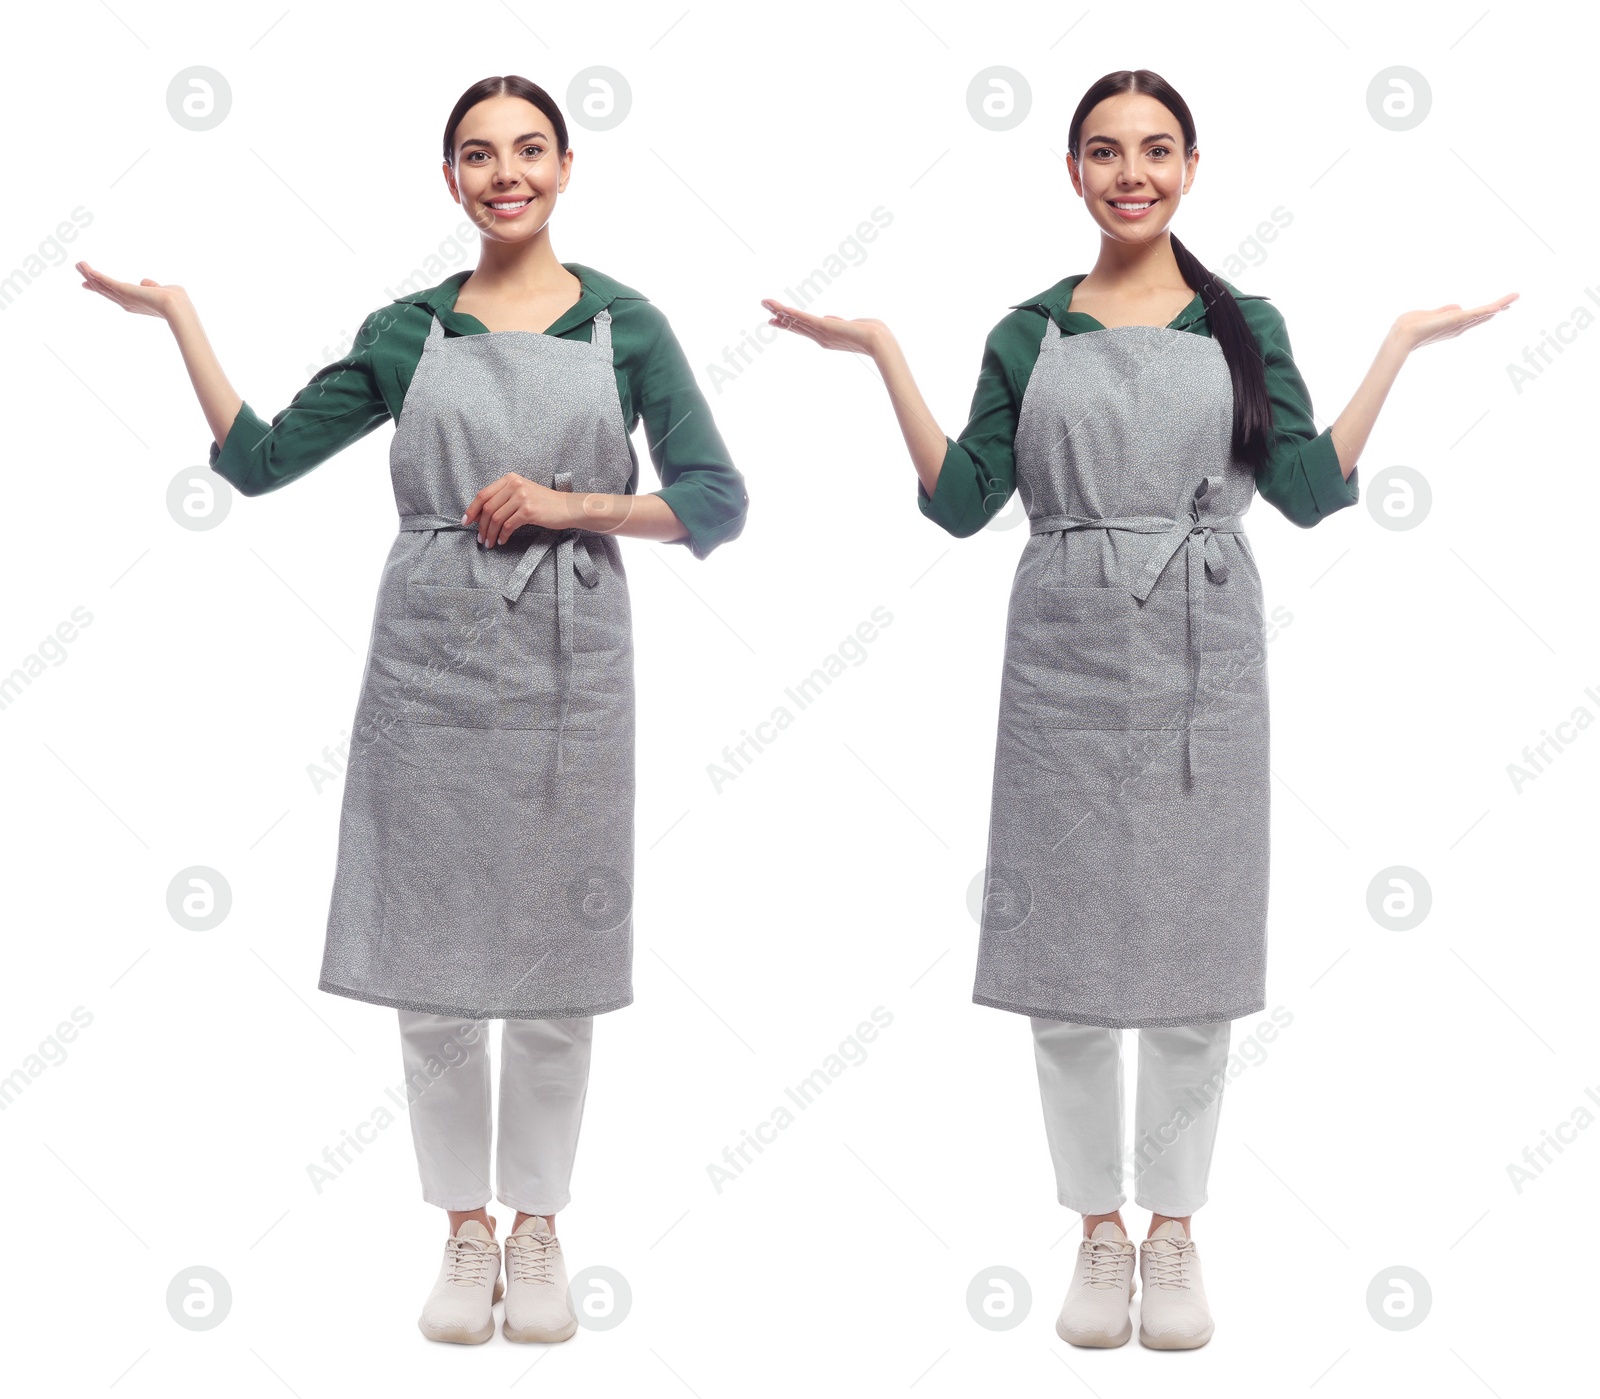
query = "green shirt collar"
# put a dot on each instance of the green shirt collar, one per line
(1054, 302)
(599, 291)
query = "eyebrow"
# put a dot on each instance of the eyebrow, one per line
(526, 136)
(1112, 140)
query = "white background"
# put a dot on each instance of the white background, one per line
(833, 876)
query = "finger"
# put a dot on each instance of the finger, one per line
(509, 518)
(513, 521)
(478, 502)
(810, 329)
(477, 510)
(494, 510)
(512, 511)
(789, 315)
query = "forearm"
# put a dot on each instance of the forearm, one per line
(640, 516)
(218, 401)
(924, 439)
(1353, 426)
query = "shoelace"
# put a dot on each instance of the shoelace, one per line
(1105, 1263)
(530, 1257)
(1169, 1262)
(470, 1261)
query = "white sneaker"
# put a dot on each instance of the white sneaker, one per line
(1174, 1314)
(537, 1308)
(1096, 1310)
(461, 1306)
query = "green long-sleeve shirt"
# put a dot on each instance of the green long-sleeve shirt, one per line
(1301, 478)
(350, 397)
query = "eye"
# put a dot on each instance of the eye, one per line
(1159, 150)
(535, 147)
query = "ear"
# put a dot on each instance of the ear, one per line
(1194, 162)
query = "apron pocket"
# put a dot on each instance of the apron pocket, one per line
(603, 684)
(1067, 658)
(1158, 652)
(530, 662)
(1232, 676)
(1233, 680)
(448, 644)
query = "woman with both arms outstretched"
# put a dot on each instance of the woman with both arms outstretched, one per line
(1137, 409)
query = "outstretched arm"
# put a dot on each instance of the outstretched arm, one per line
(1352, 427)
(963, 482)
(924, 439)
(218, 401)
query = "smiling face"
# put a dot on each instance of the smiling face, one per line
(1131, 171)
(507, 172)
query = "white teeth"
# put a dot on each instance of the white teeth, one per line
(1120, 204)
(507, 204)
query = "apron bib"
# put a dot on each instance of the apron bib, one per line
(485, 864)
(1126, 878)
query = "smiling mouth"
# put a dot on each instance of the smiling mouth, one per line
(508, 206)
(1131, 206)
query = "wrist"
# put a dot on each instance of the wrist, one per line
(593, 510)
(179, 310)
(1398, 342)
(882, 347)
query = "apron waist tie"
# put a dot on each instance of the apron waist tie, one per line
(573, 555)
(1203, 555)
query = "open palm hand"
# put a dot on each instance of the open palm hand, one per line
(831, 332)
(1447, 322)
(146, 298)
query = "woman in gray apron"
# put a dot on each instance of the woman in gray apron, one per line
(1126, 879)
(485, 863)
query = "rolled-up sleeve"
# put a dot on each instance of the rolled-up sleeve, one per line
(1301, 476)
(340, 404)
(698, 478)
(978, 472)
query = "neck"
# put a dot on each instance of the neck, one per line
(526, 269)
(1136, 267)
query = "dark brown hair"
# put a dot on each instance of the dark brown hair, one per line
(508, 86)
(1252, 410)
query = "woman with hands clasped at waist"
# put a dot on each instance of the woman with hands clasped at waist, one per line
(485, 864)
(1137, 409)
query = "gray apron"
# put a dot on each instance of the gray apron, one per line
(485, 863)
(1126, 879)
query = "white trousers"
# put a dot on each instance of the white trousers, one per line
(544, 1080)
(1182, 1070)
